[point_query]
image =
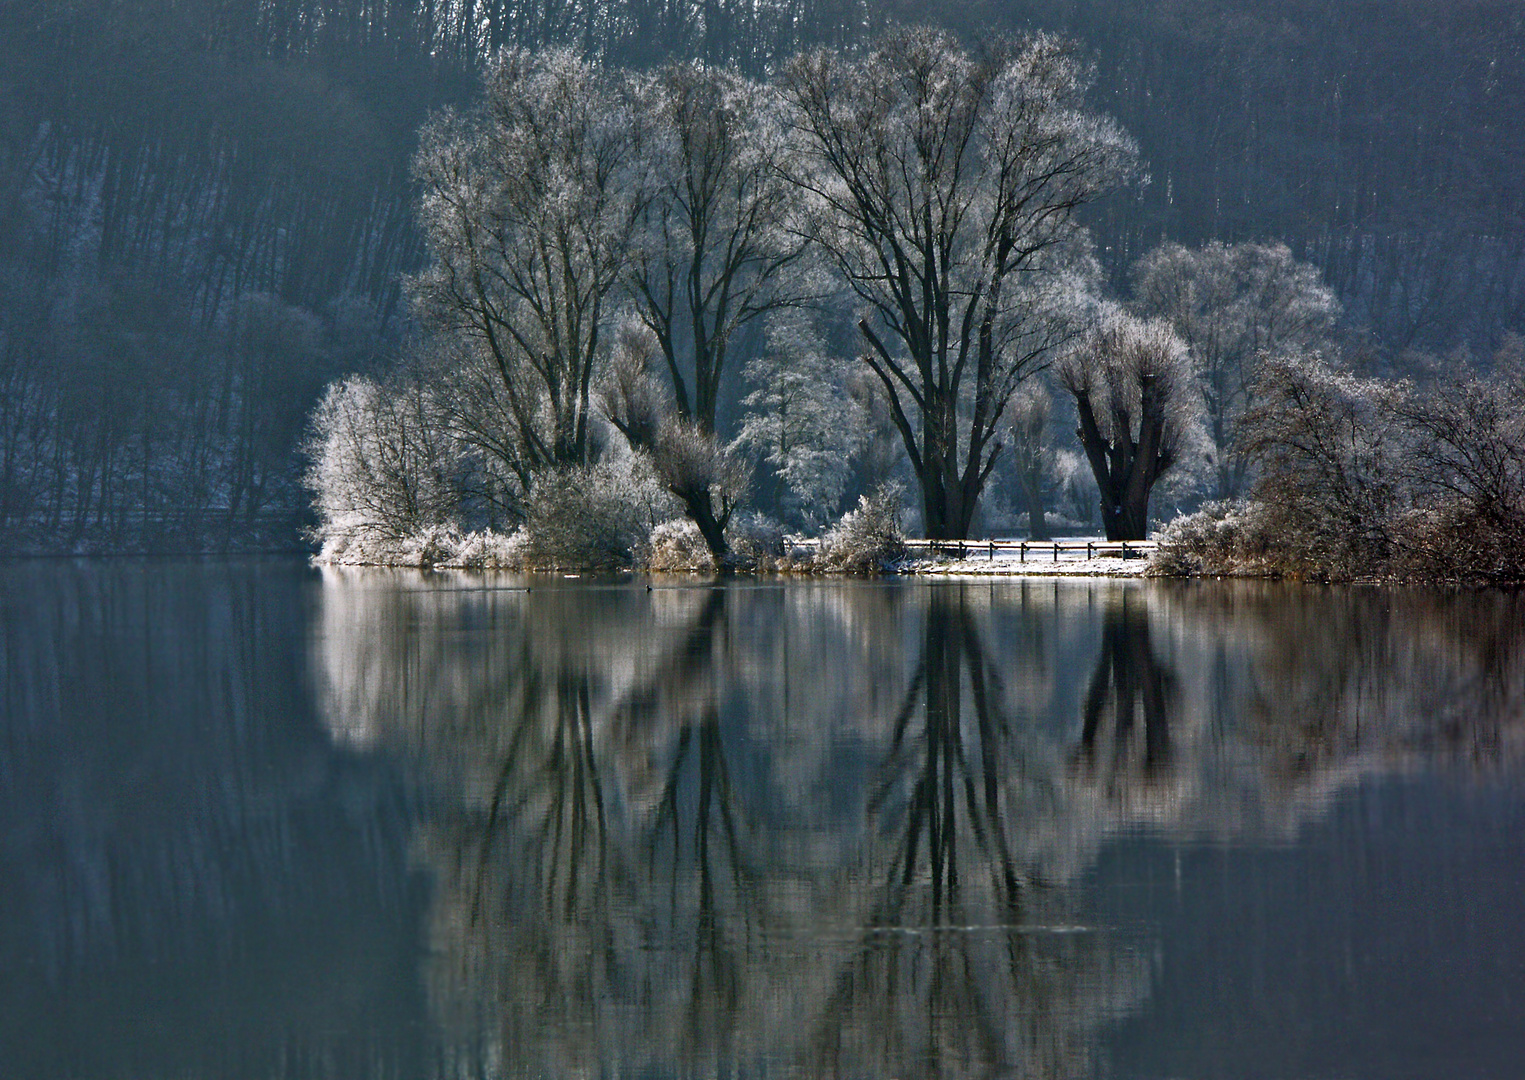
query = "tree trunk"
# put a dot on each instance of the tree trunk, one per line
(702, 513)
(1126, 471)
(1137, 677)
(1030, 477)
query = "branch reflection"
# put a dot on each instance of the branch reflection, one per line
(840, 828)
(1127, 675)
(969, 963)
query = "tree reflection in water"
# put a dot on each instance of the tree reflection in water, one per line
(837, 829)
(693, 832)
(1127, 676)
(968, 965)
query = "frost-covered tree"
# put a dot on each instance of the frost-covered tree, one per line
(380, 464)
(528, 205)
(1235, 306)
(943, 188)
(1328, 445)
(711, 253)
(1131, 381)
(1032, 456)
(802, 422)
(706, 476)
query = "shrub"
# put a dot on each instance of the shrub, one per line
(866, 540)
(1365, 479)
(488, 550)
(757, 541)
(676, 545)
(1220, 539)
(593, 517)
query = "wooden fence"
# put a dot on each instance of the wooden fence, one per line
(1025, 550)
(1048, 550)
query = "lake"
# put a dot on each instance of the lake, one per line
(260, 820)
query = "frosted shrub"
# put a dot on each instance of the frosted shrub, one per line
(757, 540)
(429, 547)
(593, 517)
(489, 550)
(677, 545)
(1220, 539)
(381, 468)
(868, 539)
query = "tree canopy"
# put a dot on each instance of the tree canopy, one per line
(943, 188)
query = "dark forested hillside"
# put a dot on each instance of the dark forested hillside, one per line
(1374, 136)
(205, 205)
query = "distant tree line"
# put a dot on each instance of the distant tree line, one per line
(167, 166)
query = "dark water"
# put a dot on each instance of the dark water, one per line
(257, 821)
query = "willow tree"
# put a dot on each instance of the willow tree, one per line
(529, 207)
(944, 188)
(1131, 380)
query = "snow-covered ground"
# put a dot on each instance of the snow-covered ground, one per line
(1038, 562)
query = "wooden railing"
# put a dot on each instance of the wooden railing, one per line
(1025, 550)
(1036, 549)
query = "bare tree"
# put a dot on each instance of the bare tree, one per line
(529, 208)
(1466, 466)
(380, 467)
(1234, 306)
(1328, 445)
(943, 188)
(711, 254)
(1131, 382)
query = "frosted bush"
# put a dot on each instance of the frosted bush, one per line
(677, 545)
(867, 539)
(595, 517)
(489, 550)
(435, 546)
(757, 540)
(1220, 539)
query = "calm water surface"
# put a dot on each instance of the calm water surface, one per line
(262, 821)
